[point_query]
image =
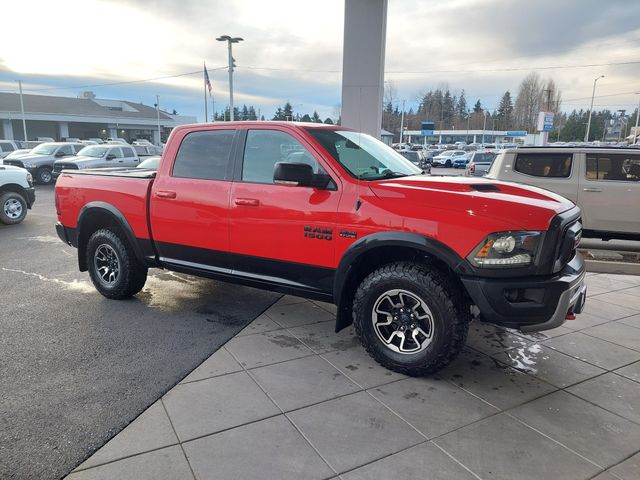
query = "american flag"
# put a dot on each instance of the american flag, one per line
(206, 79)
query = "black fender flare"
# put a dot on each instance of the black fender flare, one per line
(118, 217)
(429, 246)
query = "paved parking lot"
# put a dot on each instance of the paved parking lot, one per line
(75, 368)
(287, 398)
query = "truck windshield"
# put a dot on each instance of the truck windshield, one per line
(93, 151)
(44, 149)
(363, 156)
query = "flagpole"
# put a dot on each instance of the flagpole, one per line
(204, 80)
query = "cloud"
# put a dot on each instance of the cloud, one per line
(292, 49)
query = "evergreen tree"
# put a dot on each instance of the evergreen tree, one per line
(328, 121)
(252, 113)
(448, 110)
(315, 118)
(244, 114)
(477, 108)
(505, 111)
(279, 115)
(288, 111)
(305, 118)
(461, 106)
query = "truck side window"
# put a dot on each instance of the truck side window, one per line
(204, 155)
(264, 148)
(550, 165)
(615, 166)
(67, 150)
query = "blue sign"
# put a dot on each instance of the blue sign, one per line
(427, 128)
(517, 133)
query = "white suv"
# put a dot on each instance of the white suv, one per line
(603, 182)
(16, 194)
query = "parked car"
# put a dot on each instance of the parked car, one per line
(6, 147)
(17, 194)
(446, 158)
(150, 163)
(604, 182)
(99, 156)
(142, 141)
(117, 140)
(479, 163)
(334, 215)
(39, 161)
(98, 140)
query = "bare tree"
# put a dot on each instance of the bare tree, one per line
(528, 100)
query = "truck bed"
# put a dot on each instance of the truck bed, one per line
(114, 172)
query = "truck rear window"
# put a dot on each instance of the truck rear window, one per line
(549, 165)
(204, 155)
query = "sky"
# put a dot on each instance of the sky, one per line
(292, 50)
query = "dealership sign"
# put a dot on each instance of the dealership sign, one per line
(545, 121)
(427, 128)
(517, 133)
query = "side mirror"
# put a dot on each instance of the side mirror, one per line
(293, 174)
(111, 156)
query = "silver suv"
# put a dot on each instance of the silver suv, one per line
(603, 182)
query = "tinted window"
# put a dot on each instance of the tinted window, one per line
(77, 148)
(6, 147)
(483, 157)
(66, 149)
(115, 151)
(616, 166)
(413, 156)
(128, 152)
(204, 155)
(140, 150)
(550, 165)
(264, 148)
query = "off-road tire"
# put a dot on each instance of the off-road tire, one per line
(44, 176)
(132, 274)
(13, 197)
(449, 307)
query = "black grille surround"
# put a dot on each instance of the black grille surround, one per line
(14, 163)
(561, 242)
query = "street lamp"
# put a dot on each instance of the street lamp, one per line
(635, 131)
(230, 40)
(593, 94)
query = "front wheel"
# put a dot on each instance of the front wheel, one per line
(410, 318)
(114, 270)
(44, 176)
(13, 208)
(448, 164)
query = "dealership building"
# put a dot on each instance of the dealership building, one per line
(83, 117)
(471, 136)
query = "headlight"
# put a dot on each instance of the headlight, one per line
(28, 165)
(507, 249)
(30, 179)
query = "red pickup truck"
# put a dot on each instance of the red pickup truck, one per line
(331, 214)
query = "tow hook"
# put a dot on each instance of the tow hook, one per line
(570, 316)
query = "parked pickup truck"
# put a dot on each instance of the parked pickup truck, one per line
(604, 182)
(16, 194)
(335, 215)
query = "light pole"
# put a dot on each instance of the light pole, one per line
(635, 131)
(230, 41)
(593, 94)
(158, 112)
(401, 123)
(484, 126)
(24, 123)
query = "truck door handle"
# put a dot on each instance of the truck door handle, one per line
(165, 194)
(590, 189)
(247, 202)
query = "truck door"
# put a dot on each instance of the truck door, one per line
(130, 159)
(609, 192)
(279, 232)
(190, 201)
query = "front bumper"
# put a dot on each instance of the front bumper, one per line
(31, 196)
(530, 304)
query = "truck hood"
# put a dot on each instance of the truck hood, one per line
(10, 168)
(36, 157)
(80, 159)
(523, 206)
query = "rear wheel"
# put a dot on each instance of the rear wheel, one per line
(114, 270)
(411, 319)
(44, 176)
(13, 208)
